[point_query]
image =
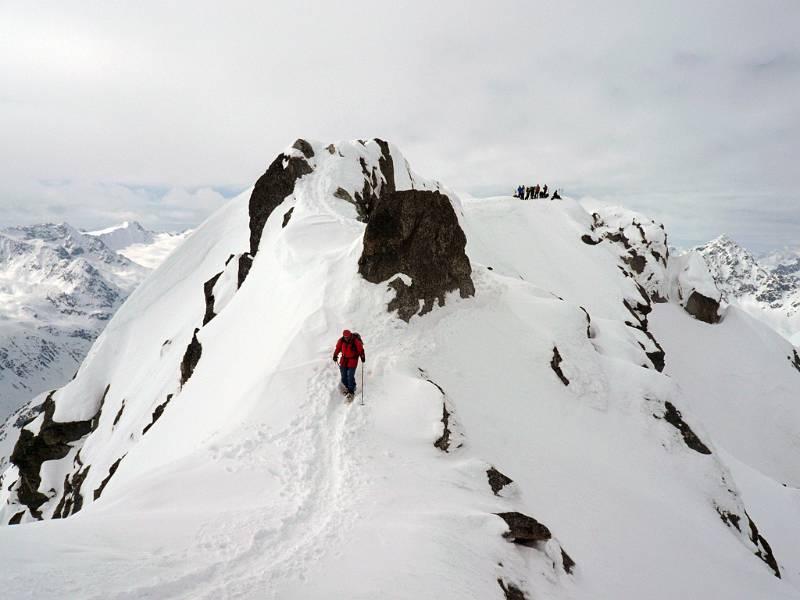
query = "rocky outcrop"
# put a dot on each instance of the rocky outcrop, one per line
(190, 358)
(113, 469)
(416, 233)
(52, 442)
(795, 360)
(524, 530)
(273, 187)
(72, 500)
(208, 292)
(762, 548)
(511, 591)
(673, 416)
(497, 480)
(555, 364)
(157, 413)
(703, 308)
(245, 262)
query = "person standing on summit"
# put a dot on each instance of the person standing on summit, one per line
(351, 348)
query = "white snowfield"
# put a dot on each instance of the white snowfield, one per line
(258, 482)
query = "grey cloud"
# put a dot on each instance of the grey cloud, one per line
(621, 99)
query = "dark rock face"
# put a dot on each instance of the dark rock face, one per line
(524, 530)
(587, 239)
(71, 501)
(304, 147)
(417, 233)
(190, 358)
(119, 414)
(674, 418)
(208, 292)
(273, 186)
(113, 469)
(497, 480)
(443, 443)
(157, 414)
(31, 450)
(286, 216)
(703, 308)
(245, 262)
(567, 561)
(796, 361)
(555, 364)
(511, 591)
(763, 549)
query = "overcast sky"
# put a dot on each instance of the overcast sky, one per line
(158, 111)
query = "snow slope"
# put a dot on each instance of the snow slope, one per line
(219, 460)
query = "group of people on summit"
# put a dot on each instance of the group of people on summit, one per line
(534, 192)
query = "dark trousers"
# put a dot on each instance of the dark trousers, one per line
(348, 378)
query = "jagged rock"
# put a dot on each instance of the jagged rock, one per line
(497, 480)
(119, 414)
(245, 262)
(208, 292)
(587, 239)
(273, 187)
(71, 500)
(190, 358)
(703, 308)
(588, 323)
(673, 416)
(17, 518)
(636, 262)
(113, 469)
(524, 530)
(796, 361)
(287, 215)
(763, 549)
(443, 443)
(555, 364)
(157, 413)
(511, 591)
(567, 561)
(416, 233)
(304, 147)
(31, 450)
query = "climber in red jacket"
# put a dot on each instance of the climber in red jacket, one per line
(351, 348)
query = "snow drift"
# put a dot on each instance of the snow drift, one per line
(518, 438)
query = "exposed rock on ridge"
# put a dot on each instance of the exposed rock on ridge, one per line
(416, 233)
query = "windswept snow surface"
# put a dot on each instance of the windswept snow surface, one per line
(257, 482)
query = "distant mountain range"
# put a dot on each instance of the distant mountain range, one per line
(767, 287)
(58, 288)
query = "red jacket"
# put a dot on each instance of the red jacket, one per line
(350, 351)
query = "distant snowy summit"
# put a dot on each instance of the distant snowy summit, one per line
(768, 288)
(142, 246)
(58, 288)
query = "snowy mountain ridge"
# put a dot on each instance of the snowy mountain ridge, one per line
(58, 289)
(767, 288)
(553, 407)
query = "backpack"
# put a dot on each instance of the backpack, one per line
(353, 335)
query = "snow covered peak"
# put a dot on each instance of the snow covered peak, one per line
(512, 387)
(118, 237)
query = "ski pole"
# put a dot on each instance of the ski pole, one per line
(362, 384)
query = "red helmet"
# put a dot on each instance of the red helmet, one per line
(346, 333)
